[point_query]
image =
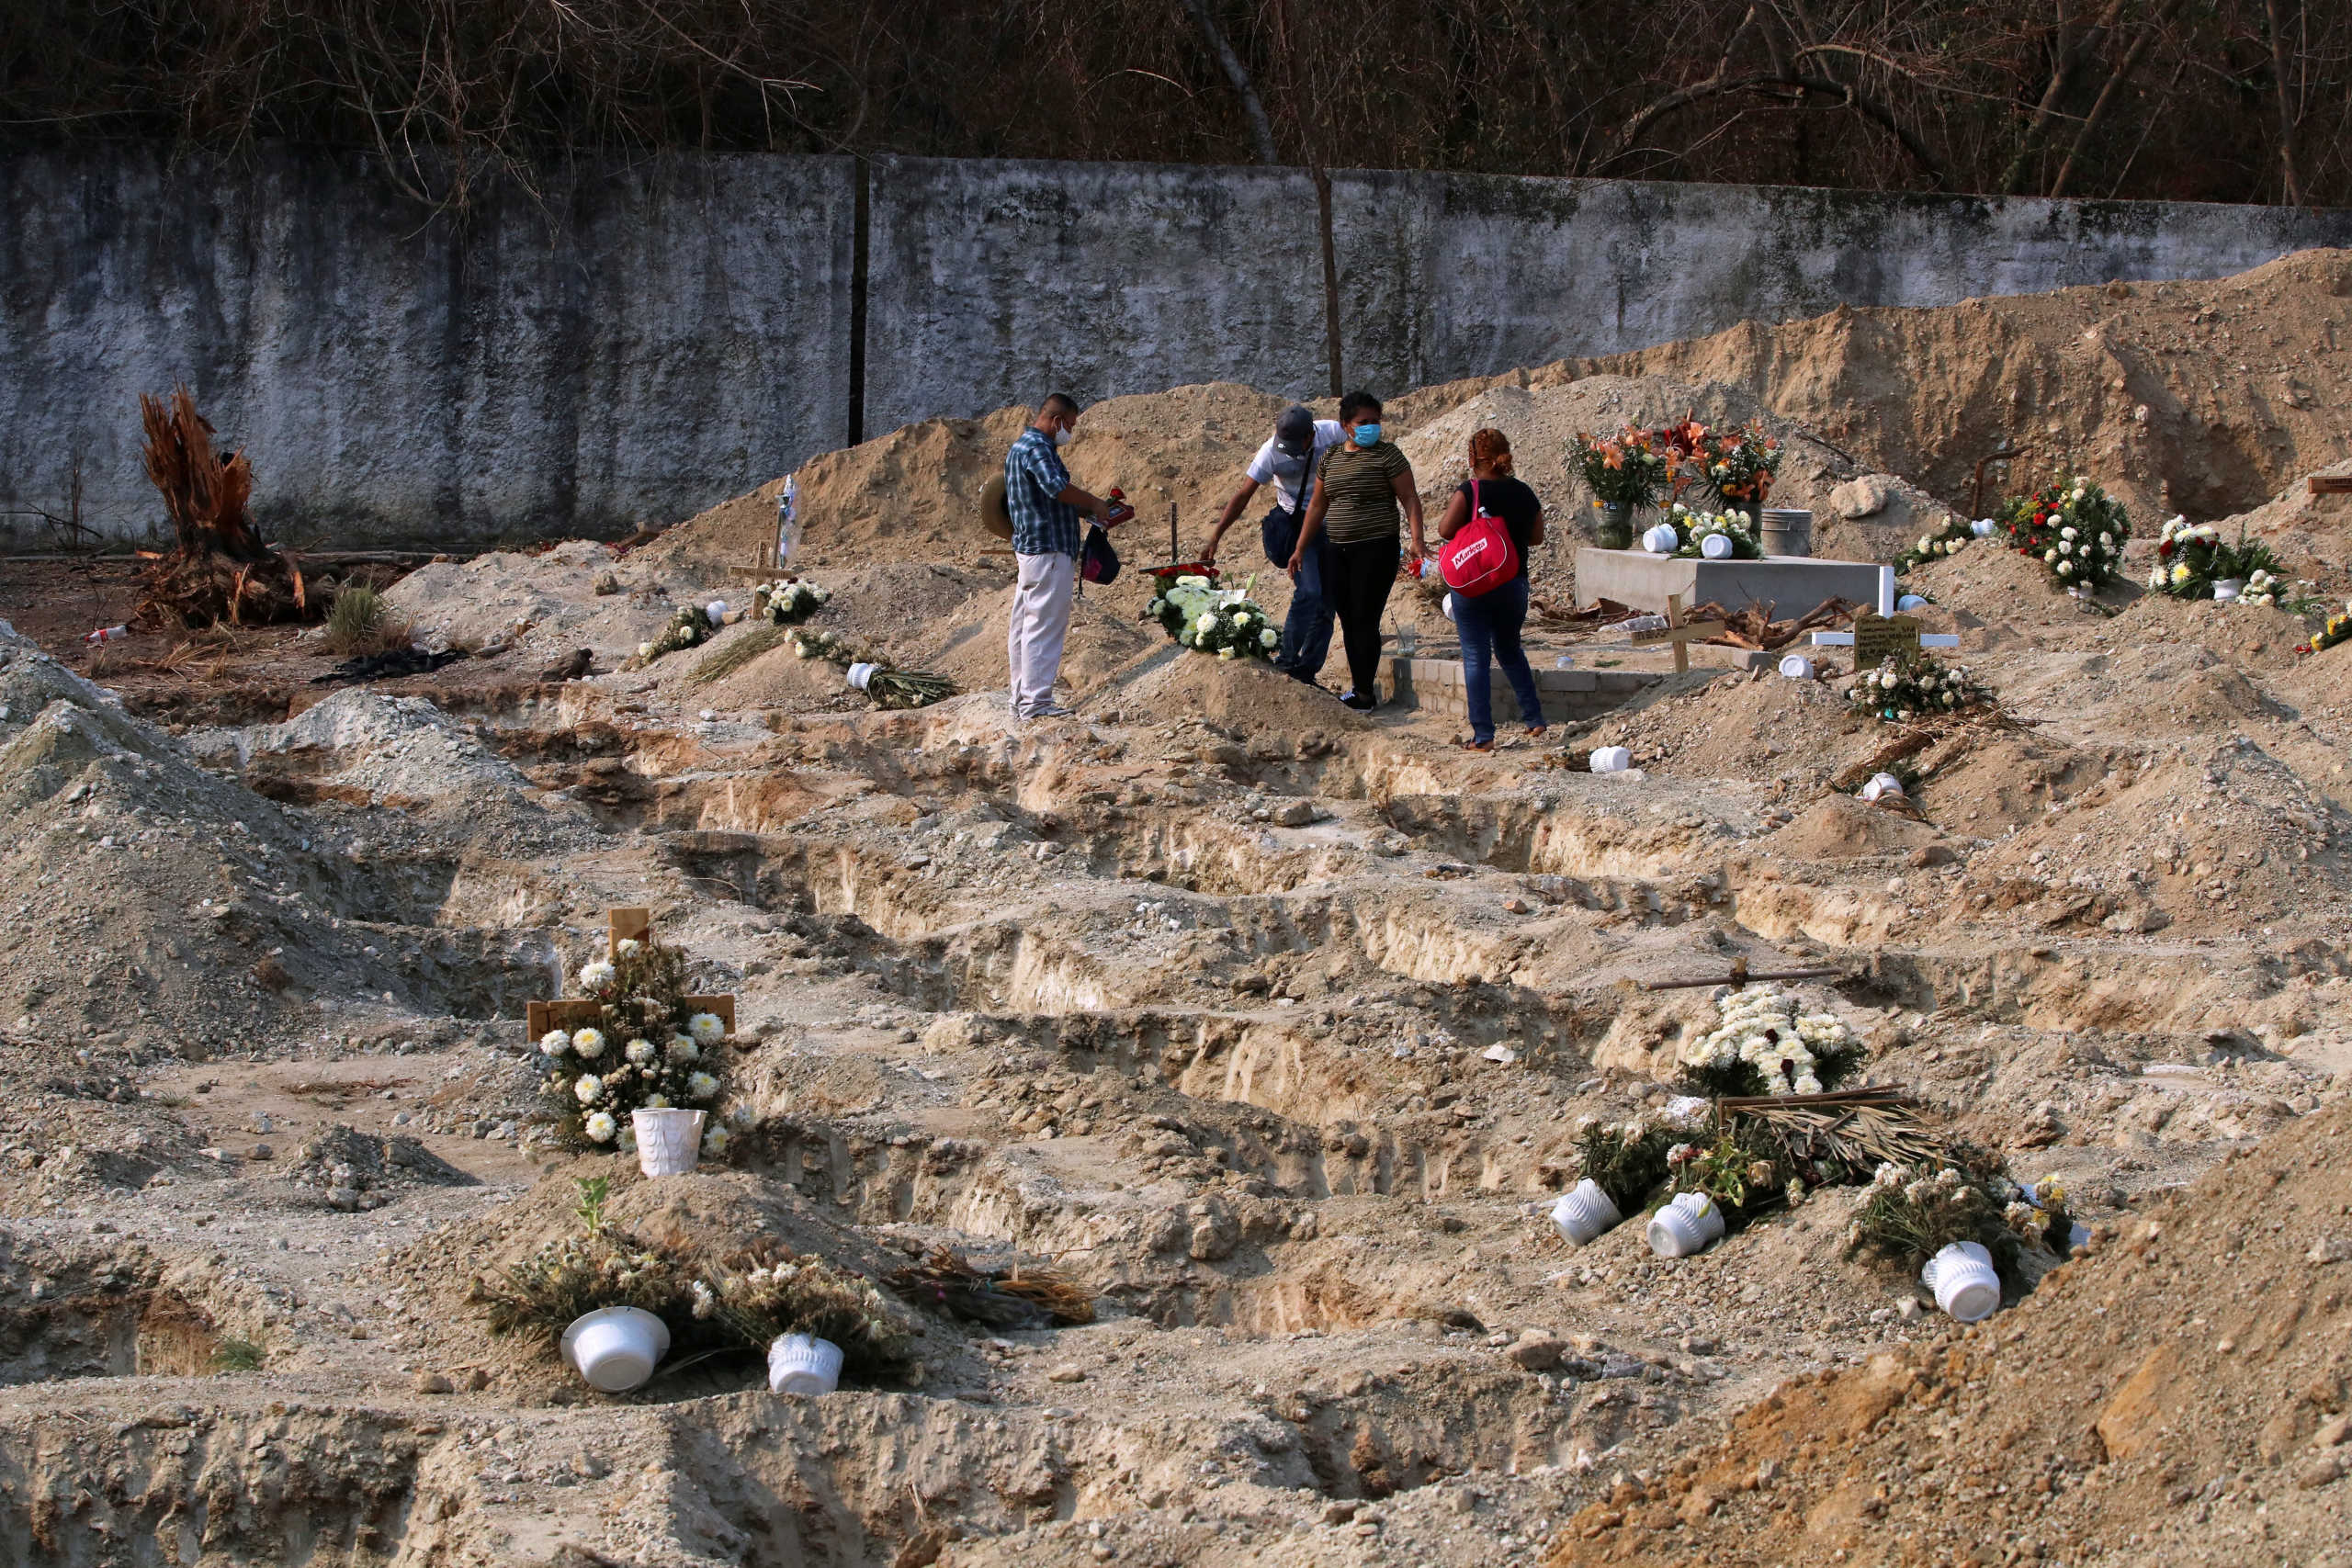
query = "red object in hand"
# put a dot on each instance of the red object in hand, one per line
(1120, 511)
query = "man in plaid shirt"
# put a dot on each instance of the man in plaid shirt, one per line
(1047, 538)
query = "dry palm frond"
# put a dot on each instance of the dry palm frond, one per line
(997, 1298)
(735, 655)
(1858, 1128)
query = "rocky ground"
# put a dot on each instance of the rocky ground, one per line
(1270, 1023)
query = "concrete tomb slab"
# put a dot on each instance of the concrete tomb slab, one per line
(1795, 585)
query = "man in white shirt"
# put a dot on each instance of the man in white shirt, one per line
(1288, 461)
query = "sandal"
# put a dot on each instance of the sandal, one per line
(1475, 745)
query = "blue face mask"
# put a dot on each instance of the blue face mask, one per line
(1368, 433)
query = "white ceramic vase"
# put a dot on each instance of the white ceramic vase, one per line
(2227, 588)
(1963, 1281)
(801, 1363)
(1584, 1213)
(669, 1142)
(1689, 1223)
(616, 1348)
(1610, 760)
(1797, 667)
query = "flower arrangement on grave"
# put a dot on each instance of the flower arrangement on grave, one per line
(758, 1295)
(2191, 557)
(1633, 468)
(1739, 465)
(1763, 1044)
(2339, 630)
(648, 1050)
(1949, 540)
(691, 627)
(1625, 1159)
(1742, 1166)
(1696, 527)
(1225, 621)
(885, 685)
(1911, 685)
(1913, 1213)
(2074, 528)
(742, 1300)
(791, 601)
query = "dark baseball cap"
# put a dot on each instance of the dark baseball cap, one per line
(1294, 431)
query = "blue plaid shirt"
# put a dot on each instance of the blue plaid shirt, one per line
(1033, 475)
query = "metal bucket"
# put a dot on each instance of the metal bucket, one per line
(1788, 531)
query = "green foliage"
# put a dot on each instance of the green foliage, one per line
(595, 1190)
(1626, 1160)
(359, 622)
(1911, 685)
(1633, 468)
(1913, 1212)
(760, 1295)
(2074, 528)
(234, 1354)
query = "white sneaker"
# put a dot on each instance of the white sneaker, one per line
(1052, 710)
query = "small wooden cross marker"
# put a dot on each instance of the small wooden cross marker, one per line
(579, 1012)
(1680, 634)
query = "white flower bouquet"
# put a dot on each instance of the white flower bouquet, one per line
(690, 628)
(650, 1050)
(1763, 1044)
(2191, 557)
(1950, 540)
(1909, 686)
(1225, 621)
(884, 687)
(1696, 527)
(791, 601)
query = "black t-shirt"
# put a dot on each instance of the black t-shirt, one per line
(1511, 501)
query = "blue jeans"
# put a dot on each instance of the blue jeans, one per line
(1307, 630)
(1489, 626)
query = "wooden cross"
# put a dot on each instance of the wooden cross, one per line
(1740, 977)
(579, 1012)
(765, 567)
(1680, 634)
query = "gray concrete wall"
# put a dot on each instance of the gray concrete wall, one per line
(1448, 276)
(640, 340)
(634, 341)
(995, 282)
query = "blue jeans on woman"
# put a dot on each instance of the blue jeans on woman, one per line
(1489, 626)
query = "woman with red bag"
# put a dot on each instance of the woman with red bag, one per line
(1489, 620)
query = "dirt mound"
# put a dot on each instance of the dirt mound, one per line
(352, 1170)
(1167, 683)
(2128, 1410)
(2006, 600)
(1840, 827)
(1791, 737)
(2204, 398)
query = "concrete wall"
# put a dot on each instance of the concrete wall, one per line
(634, 341)
(995, 282)
(640, 339)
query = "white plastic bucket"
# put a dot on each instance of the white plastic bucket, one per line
(1982, 528)
(1584, 1214)
(1882, 786)
(1797, 667)
(1610, 758)
(1661, 539)
(1689, 1223)
(859, 674)
(1910, 602)
(1966, 1287)
(669, 1142)
(1715, 547)
(715, 610)
(801, 1363)
(2228, 588)
(616, 1348)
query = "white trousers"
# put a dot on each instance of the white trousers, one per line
(1032, 644)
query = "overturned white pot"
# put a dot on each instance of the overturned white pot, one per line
(1796, 667)
(669, 1142)
(1662, 539)
(859, 674)
(802, 1363)
(1610, 758)
(1882, 786)
(2227, 588)
(1585, 1214)
(1689, 1223)
(1715, 547)
(1910, 602)
(616, 1348)
(1964, 1282)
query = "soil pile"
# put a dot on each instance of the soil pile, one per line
(2203, 398)
(2186, 1385)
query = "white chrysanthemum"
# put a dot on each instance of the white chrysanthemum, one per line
(638, 1051)
(656, 1102)
(589, 1042)
(702, 1086)
(1267, 638)
(629, 947)
(1205, 622)
(714, 1142)
(1888, 1174)
(706, 1299)
(1155, 606)
(600, 1127)
(707, 1028)
(2066, 568)
(588, 1089)
(2179, 572)
(554, 1041)
(596, 976)
(2066, 532)
(684, 1049)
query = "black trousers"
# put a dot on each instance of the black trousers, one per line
(1356, 582)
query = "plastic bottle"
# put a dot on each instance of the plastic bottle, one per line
(108, 633)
